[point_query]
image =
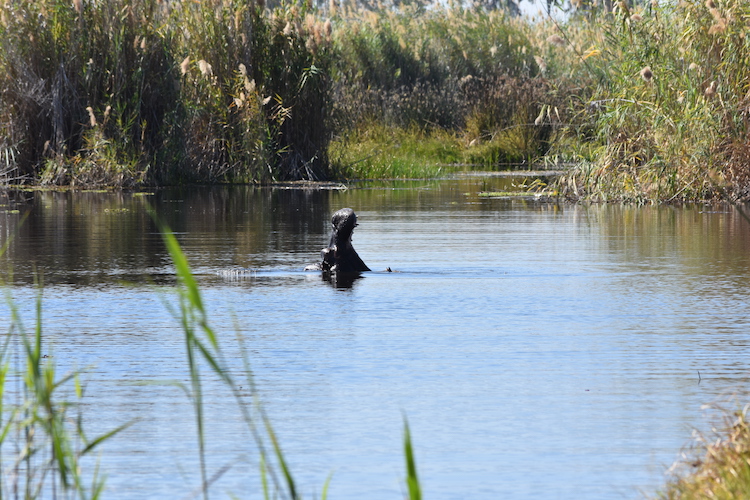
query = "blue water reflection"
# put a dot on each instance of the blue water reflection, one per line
(538, 350)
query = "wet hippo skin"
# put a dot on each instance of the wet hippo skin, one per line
(340, 255)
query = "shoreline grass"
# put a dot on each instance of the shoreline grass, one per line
(717, 466)
(650, 100)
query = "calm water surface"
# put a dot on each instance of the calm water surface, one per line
(538, 350)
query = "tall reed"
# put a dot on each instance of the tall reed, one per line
(665, 121)
(651, 100)
(202, 346)
(124, 93)
(42, 438)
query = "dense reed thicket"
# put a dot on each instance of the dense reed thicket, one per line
(667, 114)
(129, 92)
(650, 101)
(151, 92)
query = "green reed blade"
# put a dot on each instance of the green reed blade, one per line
(412, 481)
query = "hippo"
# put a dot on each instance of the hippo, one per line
(340, 255)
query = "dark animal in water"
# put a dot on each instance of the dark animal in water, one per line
(340, 255)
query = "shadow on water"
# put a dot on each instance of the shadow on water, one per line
(341, 281)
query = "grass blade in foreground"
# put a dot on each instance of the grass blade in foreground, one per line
(191, 311)
(192, 315)
(412, 481)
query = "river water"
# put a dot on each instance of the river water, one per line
(538, 350)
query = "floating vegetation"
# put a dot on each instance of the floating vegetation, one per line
(503, 194)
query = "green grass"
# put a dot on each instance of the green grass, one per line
(718, 466)
(383, 153)
(376, 151)
(40, 421)
(412, 481)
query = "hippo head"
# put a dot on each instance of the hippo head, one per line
(343, 221)
(340, 255)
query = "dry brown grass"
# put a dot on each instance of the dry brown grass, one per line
(718, 467)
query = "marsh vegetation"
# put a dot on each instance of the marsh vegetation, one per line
(648, 100)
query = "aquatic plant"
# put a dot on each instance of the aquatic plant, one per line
(665, 120)
(412, 481)
(202, 346)
(147, 92)
(42, 438)
(125, 93)
(717, 466)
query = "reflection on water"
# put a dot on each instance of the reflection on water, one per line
(341, 280)
(538, 350)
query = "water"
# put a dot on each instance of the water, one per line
(538, 350)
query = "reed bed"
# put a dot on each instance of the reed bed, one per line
(148, 92)
(717, 466)
(124, 94)
(665, 114)
(650, 100)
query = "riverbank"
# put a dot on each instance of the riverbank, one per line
(650, 101)
(717, 466)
